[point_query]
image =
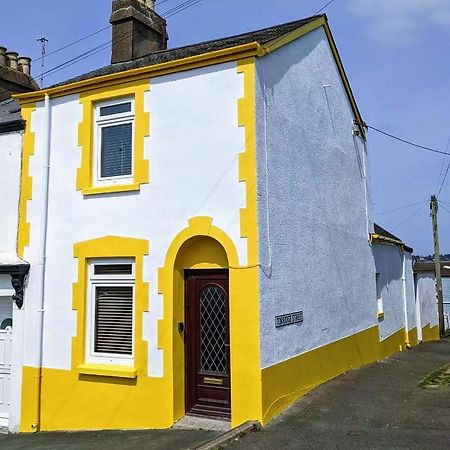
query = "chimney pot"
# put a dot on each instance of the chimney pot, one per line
(137, 30)
(2, 56)
(25, 65)
(11, 59)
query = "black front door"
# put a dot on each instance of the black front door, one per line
(207, 341)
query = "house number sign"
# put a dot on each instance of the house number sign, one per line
(288, 319)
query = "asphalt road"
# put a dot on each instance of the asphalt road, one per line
(376, 407)
(108, 440)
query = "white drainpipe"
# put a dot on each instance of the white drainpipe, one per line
(405, 302)
(43, 252)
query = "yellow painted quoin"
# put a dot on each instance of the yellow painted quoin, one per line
(26, 181)
(88, 99)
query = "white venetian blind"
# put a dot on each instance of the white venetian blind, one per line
(113, 320)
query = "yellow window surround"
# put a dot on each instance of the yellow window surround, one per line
(110, 247)
(88, 99)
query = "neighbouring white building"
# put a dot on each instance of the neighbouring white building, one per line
(166, 203)
(14, 78)
(424, 273)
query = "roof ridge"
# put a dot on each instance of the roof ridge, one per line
(235, 36)
(261, 35)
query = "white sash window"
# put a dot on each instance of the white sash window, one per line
(110, 321)
(114, 138)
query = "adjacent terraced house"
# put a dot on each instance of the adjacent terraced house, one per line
(197, 222)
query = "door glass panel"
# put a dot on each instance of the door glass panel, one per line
(213, 330)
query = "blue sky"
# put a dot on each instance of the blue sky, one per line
(396, 54)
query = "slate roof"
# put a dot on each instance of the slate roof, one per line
(10, 117)
(382, 232)
(428, 266)
(260, 36)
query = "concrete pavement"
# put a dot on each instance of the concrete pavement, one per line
(109, 440)
(376, 407)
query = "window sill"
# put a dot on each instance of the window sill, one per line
(111, 189)
(107, 371)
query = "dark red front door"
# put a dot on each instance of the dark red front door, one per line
(207, 340)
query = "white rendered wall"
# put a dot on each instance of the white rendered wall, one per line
(426, 293)
(10, 163)
(389, 264)
(10, 171)
(410, 292)
(193, 154)
(314, 212)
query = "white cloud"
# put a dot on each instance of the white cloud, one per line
(401, 22)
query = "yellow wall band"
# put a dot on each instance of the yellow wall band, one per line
(287, 381)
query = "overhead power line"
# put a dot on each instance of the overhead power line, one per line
(409, 218)
(401, 207)
(405, 141)
(446, 172)
(71, 44)
(171, 12)
(443, 206)
(442, 166)
(323, 7)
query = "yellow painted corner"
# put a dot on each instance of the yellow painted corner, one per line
(137, 89)
(247, 162)
(26, 181)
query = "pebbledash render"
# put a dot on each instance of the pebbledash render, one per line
(199, 229)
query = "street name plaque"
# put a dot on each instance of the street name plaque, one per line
(288, 319)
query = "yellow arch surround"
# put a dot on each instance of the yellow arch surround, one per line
(244, 322)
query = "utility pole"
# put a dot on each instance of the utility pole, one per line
(43, 42)
(437, 264)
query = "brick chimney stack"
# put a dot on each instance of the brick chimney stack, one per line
(15, 73)
(137, 30)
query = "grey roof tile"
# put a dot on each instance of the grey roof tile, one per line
(261, 36)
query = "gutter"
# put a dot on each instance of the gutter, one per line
(178, 65)
(385, 240)
(14, 125)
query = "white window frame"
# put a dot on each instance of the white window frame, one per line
(107, 121)
(107, 280)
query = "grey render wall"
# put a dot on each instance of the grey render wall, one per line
(312, 216)
(426, 293)
(389, 264)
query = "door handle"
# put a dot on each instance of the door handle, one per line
(180, 327)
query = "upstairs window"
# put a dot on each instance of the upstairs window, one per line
(111, 312)
(379, 287)
(114, 136)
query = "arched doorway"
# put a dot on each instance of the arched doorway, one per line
(202, 268)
